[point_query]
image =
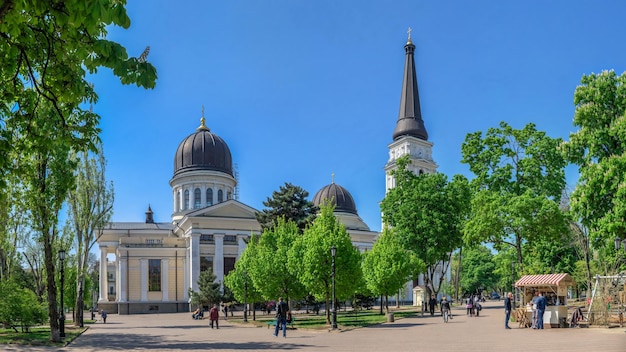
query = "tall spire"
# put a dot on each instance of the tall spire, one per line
(410, 121)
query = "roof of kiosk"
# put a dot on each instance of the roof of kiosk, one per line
(545, 280)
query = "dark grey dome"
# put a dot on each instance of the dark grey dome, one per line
(339, 196)
(203, 150)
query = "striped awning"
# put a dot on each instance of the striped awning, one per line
(545, 280)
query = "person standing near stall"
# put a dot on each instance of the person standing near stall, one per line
(507, 309)
(541, 308)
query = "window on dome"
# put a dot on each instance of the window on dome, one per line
(220, 196)
(197, 203)
(186, 199)
(177, 201)
(209, 196)
(229, 195)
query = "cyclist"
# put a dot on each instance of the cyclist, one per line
(445, 309)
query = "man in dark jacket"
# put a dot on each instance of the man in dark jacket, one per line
(541, 308)
(432, 304)
(507, 309)
(281, 317)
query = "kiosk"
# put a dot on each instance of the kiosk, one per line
(554, 289)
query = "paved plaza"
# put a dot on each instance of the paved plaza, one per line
(178, 332)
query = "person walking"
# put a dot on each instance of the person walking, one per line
(432, 305)
(281, 317)
(534, 309)
(507, 309)
(445, 309)
(541, 308)
(214, 315)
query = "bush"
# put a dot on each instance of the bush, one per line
(19, 307)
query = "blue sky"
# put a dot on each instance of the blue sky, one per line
(302, 89)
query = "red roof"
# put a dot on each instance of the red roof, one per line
(545, 280)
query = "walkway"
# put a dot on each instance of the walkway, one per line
(178, 332)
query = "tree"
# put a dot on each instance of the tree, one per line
(289, 202)
(19, 307)
(599, 150)
(428, 213)
(310, 258)
(388, 266)
(47, 49)
(90, 205)
(519, 179)
(478, 270)
(208, 290)
(269, 271)
(240, 281)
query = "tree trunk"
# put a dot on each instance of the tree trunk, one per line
(53, 311)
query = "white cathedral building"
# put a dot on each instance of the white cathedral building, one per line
(155, 264)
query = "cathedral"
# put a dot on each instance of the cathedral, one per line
(155, 264)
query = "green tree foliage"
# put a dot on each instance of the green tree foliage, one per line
(289, 202)
(548, 256)
(428, 213)
(209, 292)
(478, 270)
(90, 206)
(310, 258)
(240, 281)
(46, 50)
(599, 150)
(270, 271)
(19, 307)
(519, 179)
(388, 266)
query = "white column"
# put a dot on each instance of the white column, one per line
(185, 276)
(104, 280)
(122, 278)
(218, 259)
(194, 260)
(117, 279)
(144, 279)
(165, 287)
(241, 245)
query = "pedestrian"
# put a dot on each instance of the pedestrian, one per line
(281, 317)
(541, 308)
(225, 312)
(469, 305)
(104, 316)
(214, 315)
(477, 306)
(534, 309)
(432, 305)
(507, 309)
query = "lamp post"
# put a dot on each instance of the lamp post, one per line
(245, 296)
(618, 241)
(333, 252)
(513, 282)
(62, 315)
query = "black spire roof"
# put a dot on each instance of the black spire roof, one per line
(410, 121)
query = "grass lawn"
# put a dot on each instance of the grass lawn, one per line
(345, 319)
(40, 336)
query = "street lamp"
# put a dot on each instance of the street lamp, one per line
(513, 282)
(245, 296)
(619, 241)
(333, 252)
(62, 315)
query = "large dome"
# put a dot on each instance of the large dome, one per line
(339, 196)
(203, 150)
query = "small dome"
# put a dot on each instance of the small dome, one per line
(203, 150)
(339, 196)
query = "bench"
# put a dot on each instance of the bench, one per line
(272, 323)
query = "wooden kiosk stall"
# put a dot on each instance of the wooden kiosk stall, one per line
(554, 289)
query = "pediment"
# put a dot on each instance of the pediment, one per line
(228, 209)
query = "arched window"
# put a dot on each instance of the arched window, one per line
(186, 199)
(209, 196)
(229, 195)
(196, 199)
(177, 196)
(220, 196)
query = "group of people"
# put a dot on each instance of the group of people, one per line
(431, 305)
(214, 315)
(539, 304)
(473, 306)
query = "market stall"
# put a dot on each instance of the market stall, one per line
(554, 289)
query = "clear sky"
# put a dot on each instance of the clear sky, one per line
(301, 89)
